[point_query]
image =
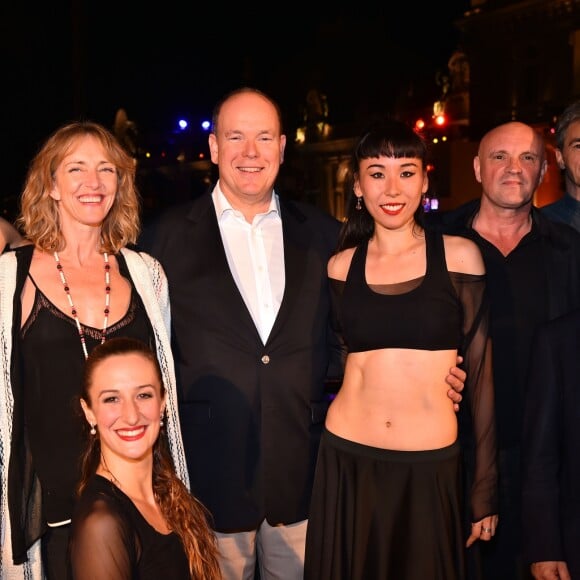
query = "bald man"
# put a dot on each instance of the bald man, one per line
(533, 275)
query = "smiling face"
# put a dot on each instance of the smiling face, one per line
(392, 188)
(125, 403)
(85, 184)
(248, 148)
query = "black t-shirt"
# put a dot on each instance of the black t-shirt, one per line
(517, 288)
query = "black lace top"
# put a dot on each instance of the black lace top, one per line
(51, 364)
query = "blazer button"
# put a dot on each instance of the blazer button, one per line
(266, 359)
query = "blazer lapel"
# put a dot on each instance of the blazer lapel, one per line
(296, 237)
(212, 255)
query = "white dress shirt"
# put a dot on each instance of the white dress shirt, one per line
(255, 254)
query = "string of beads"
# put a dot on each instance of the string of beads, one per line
(73, 308)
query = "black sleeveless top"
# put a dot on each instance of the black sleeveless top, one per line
(426, 317)
(52, 360)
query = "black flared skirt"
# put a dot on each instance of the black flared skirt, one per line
(382, 514)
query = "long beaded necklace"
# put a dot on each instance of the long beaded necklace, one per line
(74, 310)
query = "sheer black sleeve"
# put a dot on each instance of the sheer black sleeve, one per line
(102, 543)
(478, 393)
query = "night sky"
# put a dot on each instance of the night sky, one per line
(65, 60)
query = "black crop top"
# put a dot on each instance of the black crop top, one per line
(441, 310)
(373, 320)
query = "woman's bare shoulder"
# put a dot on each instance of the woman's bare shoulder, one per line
(339, 264)
(463, 255)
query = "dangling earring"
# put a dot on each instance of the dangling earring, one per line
(358, 205)
(161, 421)
(93, 430)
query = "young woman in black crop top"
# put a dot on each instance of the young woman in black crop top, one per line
(387, 495)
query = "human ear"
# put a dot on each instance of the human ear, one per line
(477, 168)
(213, 148)
(89, 415)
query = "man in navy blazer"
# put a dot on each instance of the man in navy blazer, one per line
(253, 341)
(551, 452)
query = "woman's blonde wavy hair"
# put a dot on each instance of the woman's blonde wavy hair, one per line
(39, 218)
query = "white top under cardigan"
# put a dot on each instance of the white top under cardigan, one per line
(151, 284)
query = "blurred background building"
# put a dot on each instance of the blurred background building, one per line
(514, 61)
(508, 60)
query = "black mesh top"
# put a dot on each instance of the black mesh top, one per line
(111, 539)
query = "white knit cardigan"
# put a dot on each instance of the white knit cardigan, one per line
(151, 284)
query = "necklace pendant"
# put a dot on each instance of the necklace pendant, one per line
(66, 288)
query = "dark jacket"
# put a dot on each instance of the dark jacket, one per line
(551, 446)
(251, 414)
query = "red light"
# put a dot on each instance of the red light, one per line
(419, 124)
(440, 120)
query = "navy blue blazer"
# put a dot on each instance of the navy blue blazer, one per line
(251, 413)
(551, 446)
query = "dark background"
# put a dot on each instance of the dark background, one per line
(75, 59)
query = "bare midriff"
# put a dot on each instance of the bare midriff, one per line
(396, 398)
